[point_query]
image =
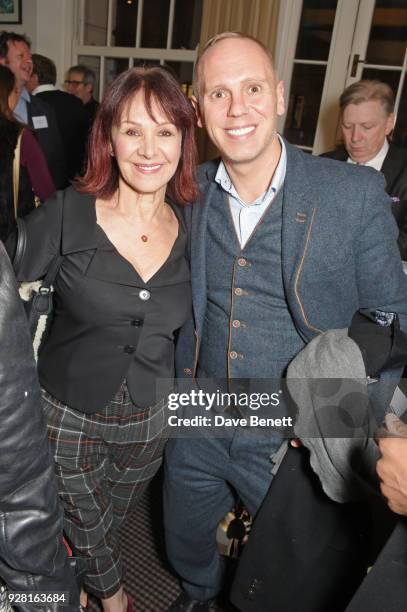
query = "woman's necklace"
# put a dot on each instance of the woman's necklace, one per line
(145, 238)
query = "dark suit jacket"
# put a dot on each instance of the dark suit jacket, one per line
(395, 172)
(385, 587)
(49, 139)
(306, 553)
(72, 124)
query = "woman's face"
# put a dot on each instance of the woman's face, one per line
(13, 98)
(147, 151)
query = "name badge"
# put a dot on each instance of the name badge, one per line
(40, 122)
(395, 199)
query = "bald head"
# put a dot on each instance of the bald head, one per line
(231, 37)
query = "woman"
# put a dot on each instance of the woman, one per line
(34, 176)
(121, 294)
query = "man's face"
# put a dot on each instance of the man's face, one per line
(19, 61)
(75, 85)
(239, 101)
(364, 129)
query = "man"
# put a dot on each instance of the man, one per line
(33, 558)
(283, 246)
(69, 112)
(80, 81)
(15, 53)
(367, 120)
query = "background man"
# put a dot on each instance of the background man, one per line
(15, 53)
(69, 112)
(80, 81)
(283, 246)
(367, 120)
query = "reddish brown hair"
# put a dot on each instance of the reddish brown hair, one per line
(158, 85)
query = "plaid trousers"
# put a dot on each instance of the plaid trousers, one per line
(103, 463)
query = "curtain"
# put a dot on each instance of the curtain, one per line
(255, 17)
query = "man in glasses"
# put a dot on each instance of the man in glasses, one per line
(80, 81)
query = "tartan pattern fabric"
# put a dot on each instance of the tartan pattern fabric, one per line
(103, 463)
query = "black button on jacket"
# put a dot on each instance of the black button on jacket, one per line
(102, 331)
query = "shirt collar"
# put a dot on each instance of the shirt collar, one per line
(47, 87)
(222, 177)
(377, 161)
(24, 95)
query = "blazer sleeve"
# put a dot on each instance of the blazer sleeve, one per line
(44, 230)
(382, 285)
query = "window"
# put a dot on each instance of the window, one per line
(117, 34)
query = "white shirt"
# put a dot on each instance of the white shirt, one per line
(41, 88)
(377, 161)
(246, 216)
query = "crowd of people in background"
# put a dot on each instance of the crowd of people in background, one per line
(149, 287)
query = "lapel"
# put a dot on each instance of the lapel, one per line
(80, 232)
(299, 209)
(199, 221)
(391, 168)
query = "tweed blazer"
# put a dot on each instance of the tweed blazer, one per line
(339, 249)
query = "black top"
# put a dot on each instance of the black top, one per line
(108, 324)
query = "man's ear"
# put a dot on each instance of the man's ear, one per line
(390, 123)
(280, 103)
(196, 108)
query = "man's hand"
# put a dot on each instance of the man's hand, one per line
(392, 467)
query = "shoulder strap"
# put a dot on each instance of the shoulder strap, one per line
(16, 171)
(21, 244)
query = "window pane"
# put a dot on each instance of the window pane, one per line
(303, 106)
(314, 37)
(388, 36)
(187, 24)
(95, 30)
(124, 23)
(145, 63)
(93, 63)
(183, 72)
(155, 24)
(113, 67)
(391, 77)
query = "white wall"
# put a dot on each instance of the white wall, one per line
(55, 32)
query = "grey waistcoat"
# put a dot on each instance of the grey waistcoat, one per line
(249, 331)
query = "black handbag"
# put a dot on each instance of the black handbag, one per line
(37, 295)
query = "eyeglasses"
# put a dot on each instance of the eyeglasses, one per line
(67, 82)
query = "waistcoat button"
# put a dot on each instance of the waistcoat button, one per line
(238, 291)
(236, 323)
(242, 262)
(233, 355)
